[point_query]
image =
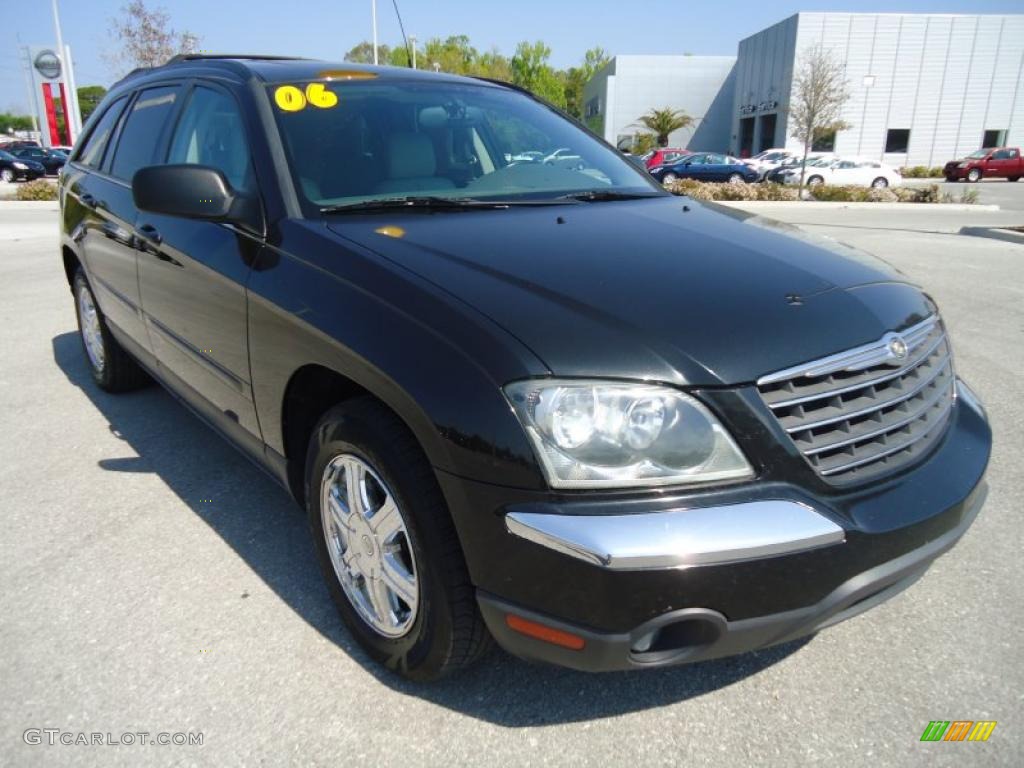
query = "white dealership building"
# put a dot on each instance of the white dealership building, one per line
(924, 88)
(629, 86)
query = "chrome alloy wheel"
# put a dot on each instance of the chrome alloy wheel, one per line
(92, 334)
(369, 545)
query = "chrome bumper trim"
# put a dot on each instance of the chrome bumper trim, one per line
(680, 538)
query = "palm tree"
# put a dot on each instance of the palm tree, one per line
(662, 122)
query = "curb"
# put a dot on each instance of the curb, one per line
(37, 205)
(829, 205)
(994, 233)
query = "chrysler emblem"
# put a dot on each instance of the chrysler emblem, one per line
(898, 347)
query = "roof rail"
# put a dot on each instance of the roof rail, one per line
(216, 56)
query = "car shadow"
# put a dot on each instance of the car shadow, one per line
(261, 522)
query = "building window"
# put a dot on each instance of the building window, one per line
(593, 107)
(993, 139)
(897, 140)
(824, 141)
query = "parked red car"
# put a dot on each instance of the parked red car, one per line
(991, 163)
(664, 156)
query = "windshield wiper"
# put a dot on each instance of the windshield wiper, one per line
(432, 202)
(603, 195)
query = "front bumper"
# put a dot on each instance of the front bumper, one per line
(699, 634)
(574, 562)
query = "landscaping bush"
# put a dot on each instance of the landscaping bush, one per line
(701, 190)
(922, 172)
(36, 190)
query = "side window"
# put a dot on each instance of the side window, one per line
(142, 131)
(210, 132)
(91, 153)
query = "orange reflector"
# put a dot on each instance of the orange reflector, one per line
(547, 634)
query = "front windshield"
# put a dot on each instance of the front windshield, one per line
(980, 154)
(363, 140)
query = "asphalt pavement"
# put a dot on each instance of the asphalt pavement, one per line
(156, 582)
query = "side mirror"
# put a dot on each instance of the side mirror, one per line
(189, 191)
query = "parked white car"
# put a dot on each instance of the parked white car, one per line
(854, 171)
(768, 160)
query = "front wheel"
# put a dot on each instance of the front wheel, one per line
(387, 545)
(7, 175)
(974, 175)
(111, 367)
(668, 178)
(736, 178)
(1013, 178)
(815, 181)
(880, 183)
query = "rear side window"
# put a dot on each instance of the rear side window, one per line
(147, 119)
(91, 153)
(210, 132)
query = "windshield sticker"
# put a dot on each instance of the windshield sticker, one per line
(289, 98)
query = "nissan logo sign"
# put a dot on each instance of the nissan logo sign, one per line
(47, 64)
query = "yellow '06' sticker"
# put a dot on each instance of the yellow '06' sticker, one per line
(289, 98)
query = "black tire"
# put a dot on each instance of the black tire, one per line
(448, 632)
(668, 178)
(736, 178)
(7, 175)
(974, 175)
(880, 183)
(118, 371)
(1013, 178)
(814, 181)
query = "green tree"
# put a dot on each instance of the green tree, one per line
(454, 54)
(577, 78)
(494, 65)
(10, 122)
(530, 70)
(89, 97)
(662, 122)
(143, 37)
(363, 53)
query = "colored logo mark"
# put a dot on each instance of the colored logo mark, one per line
(958, 730)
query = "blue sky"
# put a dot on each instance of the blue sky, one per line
(328, 28)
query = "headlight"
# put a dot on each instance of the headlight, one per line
(600, 434)
(20, 166)
(964, 165)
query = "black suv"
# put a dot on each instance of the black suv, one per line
(554, 406)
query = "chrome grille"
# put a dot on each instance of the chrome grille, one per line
(867, 411)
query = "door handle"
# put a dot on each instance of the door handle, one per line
(151, 234)
(88, 200)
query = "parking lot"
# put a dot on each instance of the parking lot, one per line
(154, 581)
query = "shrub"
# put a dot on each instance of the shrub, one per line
(922, 172)
(36, 190)
(701, 190)
(840, 194)
(968, 197)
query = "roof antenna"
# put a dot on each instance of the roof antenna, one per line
(401, 26)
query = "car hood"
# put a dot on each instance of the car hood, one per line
(666, 289)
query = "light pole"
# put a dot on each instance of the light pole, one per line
(373, 13)
(412, 41)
